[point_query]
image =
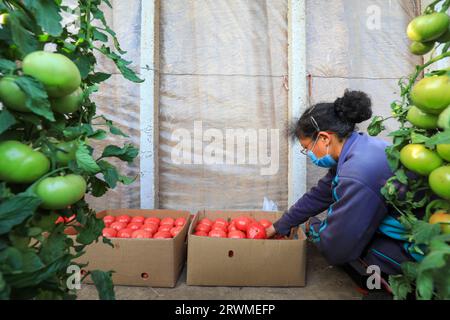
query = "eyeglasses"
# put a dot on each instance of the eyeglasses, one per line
(305, 151)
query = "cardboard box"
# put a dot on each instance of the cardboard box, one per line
(141, 262)
(245, 262)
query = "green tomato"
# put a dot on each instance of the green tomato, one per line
(444, 119)
(12, 96)
(421, 119)
(421, 48)
(445, 37)
(419, 159)
(428, 27)
(69, 103)
(443, 151)
(19, 163)
(439, 181)
(59, 192)
(432, 94)
(58, 73)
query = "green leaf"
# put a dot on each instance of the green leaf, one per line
(127, 153)
(15, 210)
(418, 138)
(99, 77)
(47, 15)
(21, 35)
(99, 187)
(410, 269)
(4, 288)
(440, 138)
(7, 120)
(53, 248)
(99, 36)
(90, 231)
(424, 284)
(127, 180)
(424, 232)
(110, 173)
(98, 135)
(31, 261)
(103, 283)
(11, 260)
(401, 286)
(72, 133)
(85, 160)
(7, 66)
(393, 157)
(376, 126)
(37, 98)
(436, 257)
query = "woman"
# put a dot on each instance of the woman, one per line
(360, 228)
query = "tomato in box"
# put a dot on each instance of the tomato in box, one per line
(221, 222)
(217, 233)
(219, 227)
(109, 233)
(141, 234)
(150, 227)
(162, 235)
(154, 220)
(206, 221)
(265, 223)
(109, 219)
(138, 219)
(180, 222)
(175, 230)
(203, 227)
(123, 218)
(256, 231)
(242, 223)
(118, 225)
(236, 234)
(125, 233)
(165, 228)
(168, 221)
(200, 233)
(232, 227)
(135, 225)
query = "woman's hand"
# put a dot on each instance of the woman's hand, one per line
(270, 231)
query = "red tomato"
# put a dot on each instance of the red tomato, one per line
(180, 222)
(150, 227)
(123, 218)
(219, 227)
(242, 223)
(118, 225)
(175, 230)
(206, 221)
(134, 226)
(138, 219)
(109, 233)
(141, 234)
(232, 227)
(256, 231)
(162, 235)
(168, 221)
(125, 233)
(221, 222)
(200, 233)
(69, 219)
(109, 219)
(154, 220)
(59, 220)
(165, 228)
(203, 227)
(236, 234)
(265, 223)
(218, 233)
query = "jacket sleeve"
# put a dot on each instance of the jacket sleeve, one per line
(351, 222)
(312, 203)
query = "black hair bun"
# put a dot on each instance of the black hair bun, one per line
(353, 107)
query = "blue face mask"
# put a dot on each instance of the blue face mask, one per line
(324, 162)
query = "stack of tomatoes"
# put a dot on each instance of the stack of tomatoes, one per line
(239, 228)
(140, 227)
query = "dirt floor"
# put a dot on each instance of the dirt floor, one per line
(323, 283)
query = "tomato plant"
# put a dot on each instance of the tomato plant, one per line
(419, 160)
(48, 129)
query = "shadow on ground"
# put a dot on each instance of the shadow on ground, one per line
(323, 282)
